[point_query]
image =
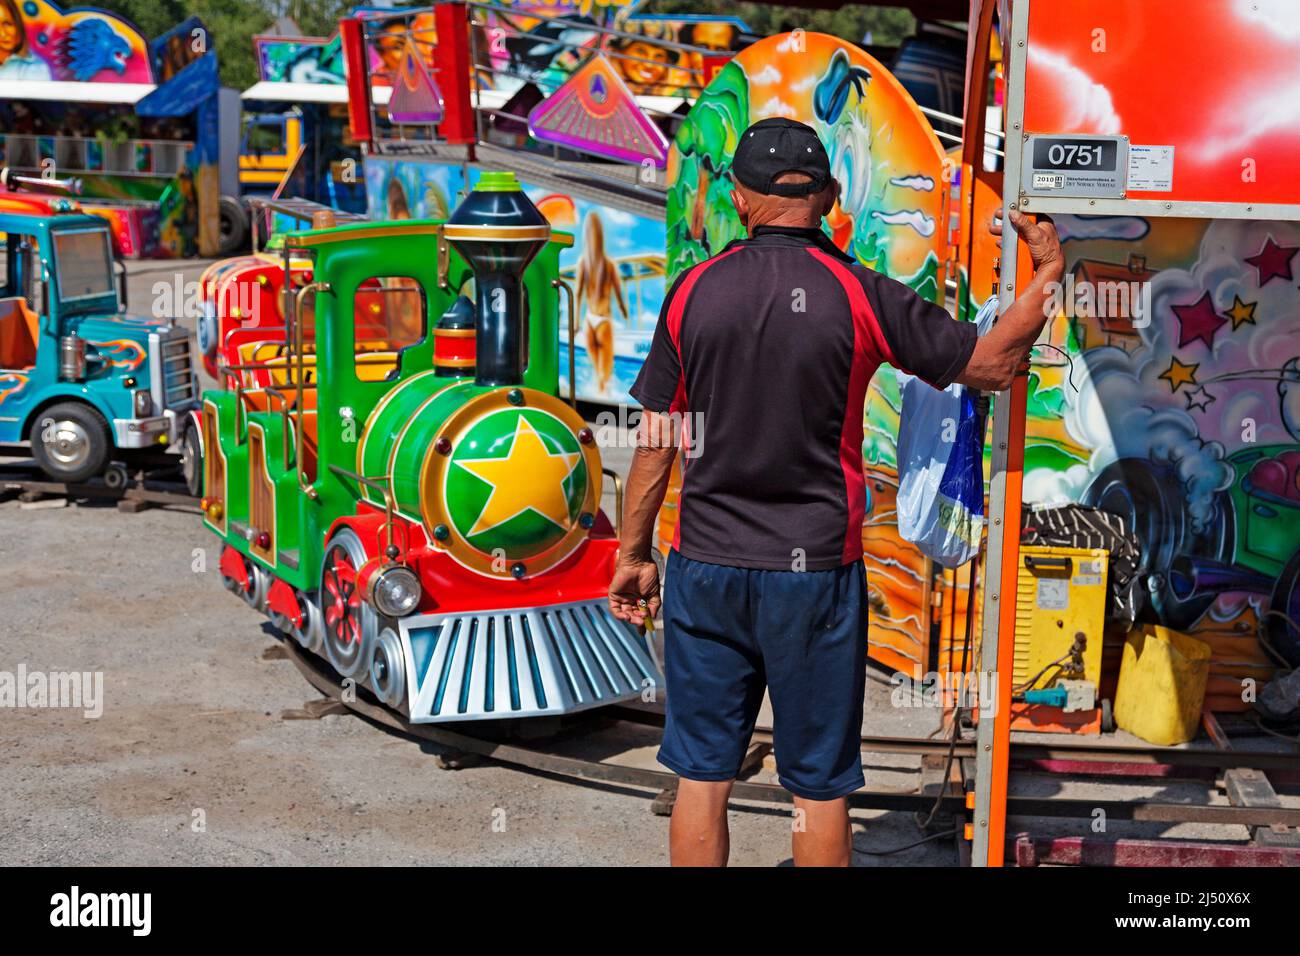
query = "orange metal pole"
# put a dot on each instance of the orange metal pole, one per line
(1013, 508)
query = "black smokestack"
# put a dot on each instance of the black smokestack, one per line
(498, 230)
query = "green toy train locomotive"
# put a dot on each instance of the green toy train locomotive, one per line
(411, 499)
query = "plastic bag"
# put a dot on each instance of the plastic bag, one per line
(941, 465)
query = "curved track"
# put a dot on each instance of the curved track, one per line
(539, 760)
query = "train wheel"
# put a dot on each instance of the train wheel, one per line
(309, 632)
(251, 585)
(1153, 503)
(388, 669)
(350, 624)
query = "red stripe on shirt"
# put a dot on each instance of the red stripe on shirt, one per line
(869, 349)
(860, 304)
(676, 310)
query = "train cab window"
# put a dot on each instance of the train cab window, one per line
(389, 315)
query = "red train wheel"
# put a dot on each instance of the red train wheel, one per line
(350, 624)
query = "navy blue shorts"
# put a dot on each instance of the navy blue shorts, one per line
(730, 632)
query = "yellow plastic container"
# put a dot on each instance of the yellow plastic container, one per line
(1161, 685)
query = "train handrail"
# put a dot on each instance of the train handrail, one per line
(444, 259)
(303, 485)
(385, 487)
(618, 498)
(558, 283)
(284, 421)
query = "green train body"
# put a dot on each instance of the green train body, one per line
(430, 528)
(348, 255)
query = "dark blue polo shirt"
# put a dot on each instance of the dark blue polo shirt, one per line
(769, 346)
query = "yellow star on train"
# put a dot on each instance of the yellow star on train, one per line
(1241, 312)
(1178, 374)
(529, 476)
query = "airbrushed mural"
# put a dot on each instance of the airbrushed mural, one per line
(883, 153)
(615, 266)
(1169, 395)
(147, 164)
(616, 270)
(528, 46)
(410, 189)
(1175, 402)
(41, 41)
(300, 59)
(890, 167)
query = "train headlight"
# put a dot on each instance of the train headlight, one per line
(395, 591)
(143, 404)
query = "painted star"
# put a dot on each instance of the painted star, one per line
(1241, 312)
(542, 487)
(1273, 260)
(1198, 398)
(1179, 374)
(1198, 321)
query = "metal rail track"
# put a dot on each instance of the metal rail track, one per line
(1077, 751)
(137, 491)
(541, 761)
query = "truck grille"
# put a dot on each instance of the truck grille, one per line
(175, 384)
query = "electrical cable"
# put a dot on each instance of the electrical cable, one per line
(959, 705)
(899, 849)
(1031, 681)
(1069, 360)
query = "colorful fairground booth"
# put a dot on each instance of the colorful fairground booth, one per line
(84, 95)
(295, 138)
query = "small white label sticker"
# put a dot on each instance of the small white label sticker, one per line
(1053, 594)
(1151, 169)
(1049, 181)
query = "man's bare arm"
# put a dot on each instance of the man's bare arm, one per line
(634, 590)
(1000, 353)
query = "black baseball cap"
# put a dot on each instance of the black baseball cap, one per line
(778, 145)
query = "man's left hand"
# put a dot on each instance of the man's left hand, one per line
(634, 590)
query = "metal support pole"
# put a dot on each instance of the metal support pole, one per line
(455, 68)
(998, 632)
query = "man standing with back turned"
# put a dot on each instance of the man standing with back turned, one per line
(769, 346)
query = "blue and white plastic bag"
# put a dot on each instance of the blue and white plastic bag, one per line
(941, 465)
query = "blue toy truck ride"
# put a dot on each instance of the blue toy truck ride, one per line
(83, 382)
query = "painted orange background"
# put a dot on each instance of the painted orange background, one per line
(1217, 79)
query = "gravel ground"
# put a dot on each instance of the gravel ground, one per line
(192, 763)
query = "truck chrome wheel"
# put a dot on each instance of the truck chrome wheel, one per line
(70, 441)
(67, 443)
